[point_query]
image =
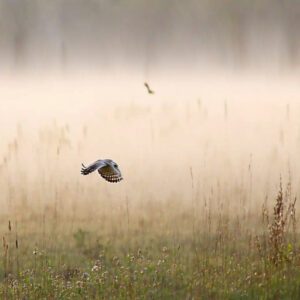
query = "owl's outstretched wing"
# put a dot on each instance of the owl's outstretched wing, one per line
(92, 167)
(110, 173)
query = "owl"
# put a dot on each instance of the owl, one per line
(107, 169)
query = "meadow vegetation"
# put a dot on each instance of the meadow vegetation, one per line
(207, 208)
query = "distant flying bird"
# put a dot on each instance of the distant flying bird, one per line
(148, 88)
(107, 169)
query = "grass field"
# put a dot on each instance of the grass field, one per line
(207, 208)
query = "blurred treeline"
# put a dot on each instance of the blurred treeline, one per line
(230, 33)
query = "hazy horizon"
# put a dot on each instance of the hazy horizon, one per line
(106, 36)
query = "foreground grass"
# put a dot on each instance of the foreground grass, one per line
(150, 271)
(216, 258)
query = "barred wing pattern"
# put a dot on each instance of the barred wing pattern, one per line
(110, 174)
(107, 169)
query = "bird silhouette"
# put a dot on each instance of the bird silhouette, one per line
(148, 88)
(107, 169)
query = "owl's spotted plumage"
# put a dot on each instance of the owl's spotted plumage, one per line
(107, 169)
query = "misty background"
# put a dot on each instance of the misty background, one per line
(150, 35)
(215, 120)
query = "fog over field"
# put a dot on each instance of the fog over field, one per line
(206, 159)
(235, 133)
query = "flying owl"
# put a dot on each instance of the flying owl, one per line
(107, 169)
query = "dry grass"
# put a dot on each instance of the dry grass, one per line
(202, 213)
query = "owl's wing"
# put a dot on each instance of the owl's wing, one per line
(92, 167)
(110, 173)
